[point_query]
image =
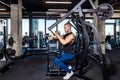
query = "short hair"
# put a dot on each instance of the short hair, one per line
(68, 23)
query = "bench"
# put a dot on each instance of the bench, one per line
(35, 51)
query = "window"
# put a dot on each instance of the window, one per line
(41, 25)
(109, 29)
(9, 27)
(48, 24)
(25, 26)
(110, 21)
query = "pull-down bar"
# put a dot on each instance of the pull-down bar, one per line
(77, 8)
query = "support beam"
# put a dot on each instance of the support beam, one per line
(101, 30)
(16, 26)
(30, 29)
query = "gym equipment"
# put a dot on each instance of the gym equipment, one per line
(11, 41)
(80, 11)
(8, 52)
(32, 51)
(41, 41)
(108, 12)
(7, 63)
(37, 51)
(1, 53)
(25, 40)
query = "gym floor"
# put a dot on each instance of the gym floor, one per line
(34, 68)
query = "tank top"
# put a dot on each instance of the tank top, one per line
(68, 48)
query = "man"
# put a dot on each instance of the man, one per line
(68, 49)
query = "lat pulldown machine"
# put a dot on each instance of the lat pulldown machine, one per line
(104, 11)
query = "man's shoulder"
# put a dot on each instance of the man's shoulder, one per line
(72, 36)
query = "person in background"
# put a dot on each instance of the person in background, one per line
(108, 38)
(107, 42)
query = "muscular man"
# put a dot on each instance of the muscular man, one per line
(68, 50)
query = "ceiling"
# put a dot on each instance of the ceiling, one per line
(41, 6)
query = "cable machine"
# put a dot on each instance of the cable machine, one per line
(104, 11)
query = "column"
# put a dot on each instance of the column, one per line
(16, 26)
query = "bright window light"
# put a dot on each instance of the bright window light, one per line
(57, 2)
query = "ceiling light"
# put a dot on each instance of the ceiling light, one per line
(57, 10)
(2, 9)
(116, 10)
(57, 2)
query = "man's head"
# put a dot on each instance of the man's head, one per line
(67, 27)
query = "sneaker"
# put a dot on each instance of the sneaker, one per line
(68, 75)
(70, 67)
(65, 75)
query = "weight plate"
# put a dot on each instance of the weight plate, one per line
(105, 11)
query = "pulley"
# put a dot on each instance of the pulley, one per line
(105, 11)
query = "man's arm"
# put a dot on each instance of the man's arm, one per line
(53, 37)
(67, 40)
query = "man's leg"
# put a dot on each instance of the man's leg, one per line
(64, 57)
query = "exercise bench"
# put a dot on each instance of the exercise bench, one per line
(34, 51)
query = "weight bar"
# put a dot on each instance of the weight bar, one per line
(104, 11)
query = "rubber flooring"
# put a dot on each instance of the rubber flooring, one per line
(35, 68)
